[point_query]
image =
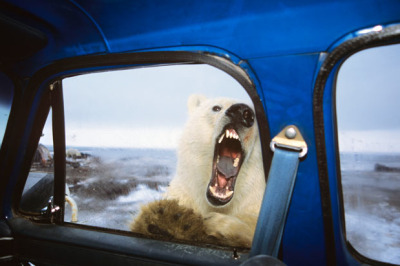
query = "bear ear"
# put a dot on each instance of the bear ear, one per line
(194, 101)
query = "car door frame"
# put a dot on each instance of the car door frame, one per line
(39, 239)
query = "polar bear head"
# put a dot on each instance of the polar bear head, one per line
(217, 160)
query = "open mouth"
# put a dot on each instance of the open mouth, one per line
(228, 157)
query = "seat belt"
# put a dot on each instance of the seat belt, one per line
(288, 147)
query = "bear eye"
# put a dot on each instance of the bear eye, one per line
(216, 108)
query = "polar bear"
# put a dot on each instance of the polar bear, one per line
(219, 184)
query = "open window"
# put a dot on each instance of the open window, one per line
(368, 123)
(121, 130)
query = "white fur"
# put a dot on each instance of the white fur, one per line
(236, 219)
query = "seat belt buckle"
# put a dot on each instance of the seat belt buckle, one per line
(290, 138)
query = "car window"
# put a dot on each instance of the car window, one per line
(368, 122)
(6, 96)
(38, 190)
(162, 151)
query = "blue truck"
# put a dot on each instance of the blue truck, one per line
(322, 79)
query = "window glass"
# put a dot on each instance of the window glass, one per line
(368, 122)
(39, 186)
(6, 96)
(124, 135)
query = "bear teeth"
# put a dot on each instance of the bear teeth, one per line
(220, 195)
(236, 162)
(231, 134)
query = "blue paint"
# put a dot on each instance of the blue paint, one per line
(287, 82)
(280, 44)
(248, 29)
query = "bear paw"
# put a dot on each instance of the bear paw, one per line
(167, 219)
(229, 230)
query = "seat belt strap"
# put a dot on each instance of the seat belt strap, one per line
(289, 147)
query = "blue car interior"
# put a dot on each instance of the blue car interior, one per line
(284, 53)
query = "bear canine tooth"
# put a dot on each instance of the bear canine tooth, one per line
(229, 194)
(221, 139)
(227, 133)
(236, 162)
(212, 189)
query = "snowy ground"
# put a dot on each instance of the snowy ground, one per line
(372, 206)
(111, 188)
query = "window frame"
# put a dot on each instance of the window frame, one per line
(47, 83)
(326, 134)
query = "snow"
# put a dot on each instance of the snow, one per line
(142, 194)
(372, 205)
(374, 236)
(111, 190)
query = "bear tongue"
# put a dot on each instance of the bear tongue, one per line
(222, 181)
(225, 170)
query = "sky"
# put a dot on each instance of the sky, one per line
(141, 108)
(367, 101)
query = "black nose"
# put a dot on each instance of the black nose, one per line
(241, 113)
